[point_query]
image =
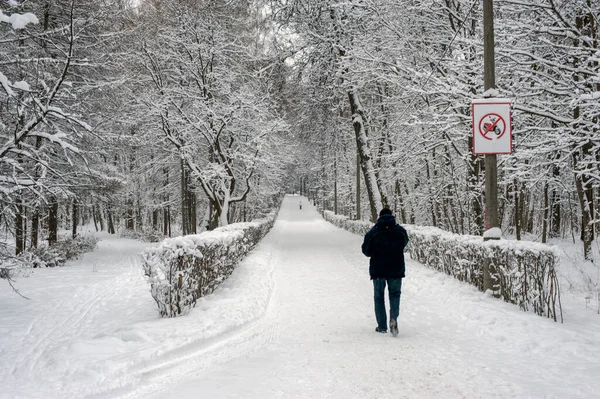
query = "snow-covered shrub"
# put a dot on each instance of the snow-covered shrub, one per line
(360, 227)
(45, 256)
(525, 272)
(59, 253)
(148, 235)
(182, 269)
(12, 266)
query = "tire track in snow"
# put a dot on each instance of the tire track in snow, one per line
(73, 324)
(187, 360)
(218, 349)
(32, 356)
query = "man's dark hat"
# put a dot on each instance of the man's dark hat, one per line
(385, 211)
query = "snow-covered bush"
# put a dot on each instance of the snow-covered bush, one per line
(12, 266)
(525, 272)
(182, 269)
(148, 235)
(60, 252)
(360, 227)
(45, 256)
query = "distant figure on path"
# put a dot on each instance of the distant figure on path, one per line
(384, 244)
(300, 205)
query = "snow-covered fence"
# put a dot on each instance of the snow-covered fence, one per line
(525, 271)
(182, 269)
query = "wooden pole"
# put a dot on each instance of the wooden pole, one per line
(491, 164)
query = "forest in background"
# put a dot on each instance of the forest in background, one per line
(163, 118)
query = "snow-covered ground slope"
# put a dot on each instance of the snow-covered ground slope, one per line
(295, 320)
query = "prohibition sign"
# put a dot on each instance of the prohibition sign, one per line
(492, 126)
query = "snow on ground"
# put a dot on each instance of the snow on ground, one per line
(579, 279)
(93, 327)
(295, 320)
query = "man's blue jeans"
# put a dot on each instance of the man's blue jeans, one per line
(394, 289)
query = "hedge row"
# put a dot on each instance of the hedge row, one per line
(182, 269)
(524, 272)
(44, 256)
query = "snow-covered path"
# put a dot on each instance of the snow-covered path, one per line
(317, 339)
(295, 320)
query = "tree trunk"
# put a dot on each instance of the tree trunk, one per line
(35, 228)
(19, 221)
(582, 179)
(359, 122)
(584, 194)
(167, 221)
(545, 216)
(401, 206)
(184, 201)
(100, 219)
(214, 218)
(335, 182)
(139, 216)
(155, 220)
(223, 216)
(502, 205)
(53, 222)
(474, 190)
(517, 221)
(409, 205)
(432, 203)
(192, 209)
(522, 208)
(531, 212)
(111, 224)
(75, 218)
(555, 201)
(129, 224)
(166, 210)
(358, 215)
(95, 217)
(597, 209)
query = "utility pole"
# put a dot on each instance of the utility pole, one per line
(491, 164)
(489, 82)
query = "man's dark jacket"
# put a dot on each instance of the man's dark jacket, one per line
(384, 244)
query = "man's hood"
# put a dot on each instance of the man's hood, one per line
(386, 220)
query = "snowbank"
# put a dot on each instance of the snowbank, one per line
(524, 272)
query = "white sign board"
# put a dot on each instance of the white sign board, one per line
(492, 126)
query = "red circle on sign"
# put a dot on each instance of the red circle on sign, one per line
(492, 124)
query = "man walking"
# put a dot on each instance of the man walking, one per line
(384, 244)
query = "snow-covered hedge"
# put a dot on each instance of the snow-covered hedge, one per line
(182, 269)
(525, 271)
(146, 234)
(44, 256)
